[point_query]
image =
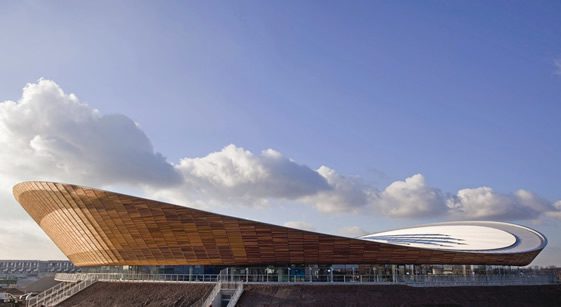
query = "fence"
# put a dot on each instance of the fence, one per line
(412, 280)
(137, 277)
(58, 293)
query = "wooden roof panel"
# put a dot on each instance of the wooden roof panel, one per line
(94, 227)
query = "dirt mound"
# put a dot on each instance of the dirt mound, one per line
(369, 295)
(138, 294)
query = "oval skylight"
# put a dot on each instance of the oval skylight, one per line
(448, 237)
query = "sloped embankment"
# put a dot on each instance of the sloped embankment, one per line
(370, 295)
(138, 294)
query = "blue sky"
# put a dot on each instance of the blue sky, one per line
(465, 93)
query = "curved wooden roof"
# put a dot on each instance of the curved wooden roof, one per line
(93, 227)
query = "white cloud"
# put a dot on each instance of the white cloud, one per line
(300, 225)
(22, 239)
(352, 232)
(484, 202)
(235, 175)
(51, 135)
(344, 193)
(411, 197)
(556, 211)
(48, 134)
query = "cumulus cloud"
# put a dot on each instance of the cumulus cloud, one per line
(344, 193)
(236, 175)
(556, 211)
(48, 134)
(484, 202)
(411, 197)
(352, 232)
(299, 225)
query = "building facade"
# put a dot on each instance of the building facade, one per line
(96, 228)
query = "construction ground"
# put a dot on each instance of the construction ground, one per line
(162, 294)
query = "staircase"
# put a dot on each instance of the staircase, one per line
(58, 293)
(224, 294)
(236, 295)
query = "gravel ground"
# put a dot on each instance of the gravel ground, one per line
(138, 294)
(325, 296)
(160, 294)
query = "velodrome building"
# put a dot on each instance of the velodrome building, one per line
(102, 230)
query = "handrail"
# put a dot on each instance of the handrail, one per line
(226, 278)
(403, 279)
(41, 297)
(58, 293)
(210, 298)
(69, 292)
(137, 277)
(236, 296)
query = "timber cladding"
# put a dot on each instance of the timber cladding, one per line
(93, 227)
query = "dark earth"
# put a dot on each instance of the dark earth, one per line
(375, 295)
(136, 294)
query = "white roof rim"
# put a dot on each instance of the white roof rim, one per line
(527, 239)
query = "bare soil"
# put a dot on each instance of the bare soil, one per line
(138, 294)
(161, 294)
(369, 295)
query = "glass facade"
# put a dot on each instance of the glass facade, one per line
(318, 273)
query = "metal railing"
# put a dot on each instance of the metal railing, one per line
(58, 293)
(137, 277)
(233, 283)
(236, 296)
(207, 301)
(226, 278)
(479, 280)
(69, 292)
(40, 298)
(413, 280)
(148, 278)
